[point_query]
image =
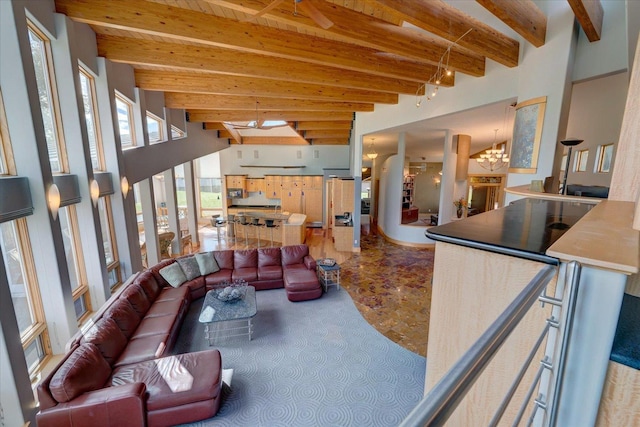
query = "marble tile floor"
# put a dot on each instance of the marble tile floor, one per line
(389, 284)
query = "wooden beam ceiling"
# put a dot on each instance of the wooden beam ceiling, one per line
(589, 14)
(211, 58)
(523, 16)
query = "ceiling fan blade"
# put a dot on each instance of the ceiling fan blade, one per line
(267, 8)
(318, 17)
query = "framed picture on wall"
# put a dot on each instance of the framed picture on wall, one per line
(527, 133)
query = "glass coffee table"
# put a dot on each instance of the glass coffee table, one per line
(228, 319)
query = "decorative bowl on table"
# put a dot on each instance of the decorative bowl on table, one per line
(231, 291)
(328, 262)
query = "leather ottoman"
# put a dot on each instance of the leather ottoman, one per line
(301, 284)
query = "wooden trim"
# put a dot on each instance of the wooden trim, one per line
(9, 165)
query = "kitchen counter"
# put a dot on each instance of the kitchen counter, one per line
(526, 228)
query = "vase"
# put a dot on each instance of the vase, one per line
(459, 212)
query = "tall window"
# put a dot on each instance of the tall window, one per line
(23, 283)
(75, 262)
(6, 155)
(87, 86)
(43, 65)
(155, 129)
(108, 242)
(125, 121)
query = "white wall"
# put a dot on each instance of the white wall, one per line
(597, 107)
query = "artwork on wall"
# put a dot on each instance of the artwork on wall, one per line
(527, 133)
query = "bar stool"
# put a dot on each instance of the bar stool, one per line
(255, 222)
(270, 224)
(244, 223)
(231, 226)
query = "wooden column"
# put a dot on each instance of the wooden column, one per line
(462, 162)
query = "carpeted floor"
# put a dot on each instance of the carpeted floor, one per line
(312, 363)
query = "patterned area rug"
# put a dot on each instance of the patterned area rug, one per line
(312, 363)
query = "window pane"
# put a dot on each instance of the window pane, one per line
(86, 85)
(105, 225)
(125, 124)
(176, 133)
(16, 275)
(69, 246)
(606, 154)
(34, 353)
(582, 160)
(40, 62)
(80, 306)
(114, 276)
(155, 128)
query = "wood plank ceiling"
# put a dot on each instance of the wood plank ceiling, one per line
(222, 63)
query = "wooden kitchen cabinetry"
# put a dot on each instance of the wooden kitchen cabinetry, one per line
(255, 185)
(342, 197)
(273, 184)
(343, 238)
(237, 182)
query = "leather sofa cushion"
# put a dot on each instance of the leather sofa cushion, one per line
(176, 380)
(218, 278)
(294, 254)
(155, 270)
(300, 280)
(137, 298)
(245, 258)
(107, 336)
(84, 370)
(162, 308)
(248, 274)
(195, 287)
(143, 349)
(270, 272)
(269, 257)
(149, 284)
(155, 326)
(125, 317)
(170, 293)
(224, 259)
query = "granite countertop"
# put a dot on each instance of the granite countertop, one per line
(526, 228)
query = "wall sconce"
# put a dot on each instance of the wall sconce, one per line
(94, 191)
(53, 200)
(124, 186)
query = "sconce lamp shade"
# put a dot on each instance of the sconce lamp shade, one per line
(53, 200)
(94, 191)
(570, 142)
(124, 186)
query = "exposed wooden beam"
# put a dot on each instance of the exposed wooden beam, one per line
(173, 81)
(328, 133)
(336, 141)
(248, 38)
(245, 116)
(214, 126)
(361, 29)
(273, 140)
(225, 61)
(323, 125)
(446, 21)
(590, 15)
(230, 102)
(523, 16)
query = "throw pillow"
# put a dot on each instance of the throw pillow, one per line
(173, 274)
(190, 267)
(207, 263)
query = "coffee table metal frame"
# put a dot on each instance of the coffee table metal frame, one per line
(228, 315)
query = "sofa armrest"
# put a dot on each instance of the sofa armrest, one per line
(309, 262)
(110, 406)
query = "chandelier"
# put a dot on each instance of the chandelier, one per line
(494, 158)
(372, 154)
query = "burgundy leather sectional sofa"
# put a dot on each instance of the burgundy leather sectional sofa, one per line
(120, 371)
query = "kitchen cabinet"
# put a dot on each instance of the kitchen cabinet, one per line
(236, 182)
(312, 199)
(291, 200)
(256, 185)
(273, 184)
(342, 197)
(343, 238)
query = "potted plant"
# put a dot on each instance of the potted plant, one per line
(460, 204)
